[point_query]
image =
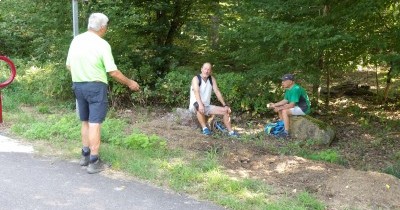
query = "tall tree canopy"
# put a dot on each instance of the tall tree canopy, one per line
(255, 40)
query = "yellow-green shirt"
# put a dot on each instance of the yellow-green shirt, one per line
(90, 58)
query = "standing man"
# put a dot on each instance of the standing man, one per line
(200, 99)
(89, 60)
(295, 102)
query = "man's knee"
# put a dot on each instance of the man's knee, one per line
(286, 112)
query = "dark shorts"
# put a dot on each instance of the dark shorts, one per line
(92, 100)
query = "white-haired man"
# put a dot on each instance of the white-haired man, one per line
(89, 60)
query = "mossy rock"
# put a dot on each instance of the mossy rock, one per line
(307, 127)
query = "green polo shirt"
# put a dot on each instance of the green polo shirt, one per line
(90, 58)
(299, 97)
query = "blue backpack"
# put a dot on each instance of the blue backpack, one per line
(274, 128)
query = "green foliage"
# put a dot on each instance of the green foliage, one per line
(44, 109)
(309, 201)
(250, 42)
(242, 93)
(54, 128)
(142, 141)
(112, 130)
(307, 150)
(393, 169)
(328, 155)
(174, 88)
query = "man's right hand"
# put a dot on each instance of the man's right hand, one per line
(133, 85)
(201, 108)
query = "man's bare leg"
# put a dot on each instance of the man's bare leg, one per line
(85, 133)
(202, 119)
(285, 115)
(94, 138)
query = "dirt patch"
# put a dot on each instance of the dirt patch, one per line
(338, 186)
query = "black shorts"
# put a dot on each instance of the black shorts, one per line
(92, 100)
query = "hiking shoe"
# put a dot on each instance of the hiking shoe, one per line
(283, 135)
(234, 134)
(206, 132)
(219, 126)
(95, 167)
(84, 160)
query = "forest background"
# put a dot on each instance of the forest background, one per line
(162, 44)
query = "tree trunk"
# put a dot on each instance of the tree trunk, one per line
(315, 93)
(328, 72)
(215, 22)
(328, 88)
(165, 42)
(388, 82)
(377, 83)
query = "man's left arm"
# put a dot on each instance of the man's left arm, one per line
(292, 100)
(217, 92)
(287, 106)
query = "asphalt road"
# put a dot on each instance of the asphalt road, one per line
(30, 181)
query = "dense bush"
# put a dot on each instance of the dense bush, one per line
(173, 90)
(242, 93)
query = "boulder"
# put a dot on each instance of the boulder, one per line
(307, 127)
(184, 117)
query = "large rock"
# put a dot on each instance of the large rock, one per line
(184, 117)
(306, 127)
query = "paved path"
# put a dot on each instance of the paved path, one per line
(29, 181)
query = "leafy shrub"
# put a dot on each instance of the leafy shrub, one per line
(242, 93)
(173, 90)
(328, 155)
(142, 141)
(112, 130)
(51, 81)
(393, 169)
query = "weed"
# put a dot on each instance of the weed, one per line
(328, 155)
(309, 202)
(397, 156)
(43, 109)
(142, 141)
(393, 169)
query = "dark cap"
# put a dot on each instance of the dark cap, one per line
(288, 77)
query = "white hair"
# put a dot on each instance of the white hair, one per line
(96, 21)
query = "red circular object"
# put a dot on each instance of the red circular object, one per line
(13, 71)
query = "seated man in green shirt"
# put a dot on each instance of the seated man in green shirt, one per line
(295, 102)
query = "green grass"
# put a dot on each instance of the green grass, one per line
(393, 169)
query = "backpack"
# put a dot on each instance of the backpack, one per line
(208, 78)
(274, 128)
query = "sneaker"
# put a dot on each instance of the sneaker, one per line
(84, 160)
(234, 134)
(206, 131)
(95, 167)
(219, 126)
(283, 135)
